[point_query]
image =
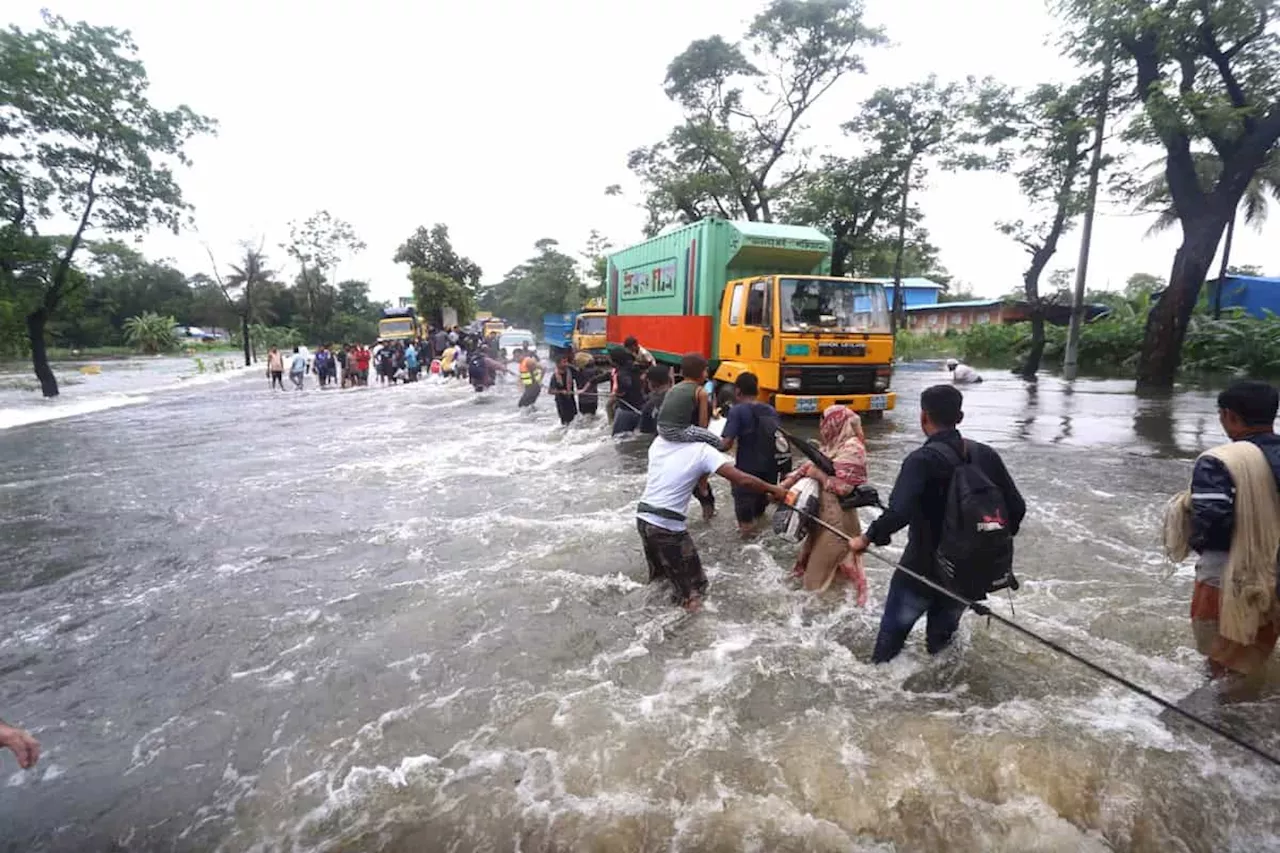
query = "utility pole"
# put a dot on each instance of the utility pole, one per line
(1086, 234)
(900, 298)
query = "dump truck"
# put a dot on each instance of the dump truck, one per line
(399, 324)
(584, 331)
(758, 297)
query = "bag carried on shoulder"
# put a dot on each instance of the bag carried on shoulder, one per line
(975, 546)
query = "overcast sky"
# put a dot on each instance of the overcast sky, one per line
(507, 120)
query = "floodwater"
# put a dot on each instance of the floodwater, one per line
(414, 619)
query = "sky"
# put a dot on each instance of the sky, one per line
(507, 120)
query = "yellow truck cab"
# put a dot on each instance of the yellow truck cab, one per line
(755, 296)
(590, 332)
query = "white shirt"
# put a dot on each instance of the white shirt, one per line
(964, 373)
(674, 470)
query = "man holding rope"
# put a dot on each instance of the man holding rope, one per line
(920, 500)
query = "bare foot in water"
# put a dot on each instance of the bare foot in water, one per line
(693, 605)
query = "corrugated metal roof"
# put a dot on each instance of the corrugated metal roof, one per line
(1258, 279)
(972, 303)
(910, 283)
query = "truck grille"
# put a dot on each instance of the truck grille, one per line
(838, 379)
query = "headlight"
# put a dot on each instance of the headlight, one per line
(881, 383)
(791, 383)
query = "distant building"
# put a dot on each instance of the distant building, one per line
(1255, 295)
(406, 301)
(915, 290)
(962, 316)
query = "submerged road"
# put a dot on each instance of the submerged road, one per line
(413, 619)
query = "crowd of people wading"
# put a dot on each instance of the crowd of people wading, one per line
(954, 495)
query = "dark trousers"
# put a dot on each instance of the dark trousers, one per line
(530, 395)
(672, 556)
(906, 602)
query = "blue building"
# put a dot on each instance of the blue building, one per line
(915, 291)
(1255, 294)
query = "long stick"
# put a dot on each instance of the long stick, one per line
(983, 610)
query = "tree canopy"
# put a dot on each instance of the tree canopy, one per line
(80, 138)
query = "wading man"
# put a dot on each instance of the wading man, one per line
(674, 470)
(1231, 518)
(920, 499)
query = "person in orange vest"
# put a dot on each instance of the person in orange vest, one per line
(530, 378)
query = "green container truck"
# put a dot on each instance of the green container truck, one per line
(757, 296)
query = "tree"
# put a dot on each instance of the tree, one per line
(547, 283)
(434, 291)
(1154, 196)
(726, 156)
(242, 290)
(80, 137)
(433, 251)
(907, 125)
(1141, 285)
(317, 245)
(597, 258)
(1207, 74)
(151, 333)
(1053, 143)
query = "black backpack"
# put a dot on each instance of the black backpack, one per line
(975, 546)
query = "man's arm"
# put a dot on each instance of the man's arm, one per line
(732, 426)
(704, 408)
(745, 480)
(1213, 506)
(908, 489)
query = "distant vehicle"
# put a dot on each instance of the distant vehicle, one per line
(583, 331)
(197, 333)
(399, 324)
(513, 339)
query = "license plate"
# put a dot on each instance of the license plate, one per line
(879, 402)
(806, 404)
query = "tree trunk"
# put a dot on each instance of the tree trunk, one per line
(39, 355)
(1222, 275)
(839, 255)
(1167, 323)
(1032, 364)
(244, 333)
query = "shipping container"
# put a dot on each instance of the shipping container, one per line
(755, 296)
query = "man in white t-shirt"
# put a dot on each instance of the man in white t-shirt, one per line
(962, 374)
(674, 471)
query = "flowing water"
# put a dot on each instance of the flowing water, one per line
(414, 619)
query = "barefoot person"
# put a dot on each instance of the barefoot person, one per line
(1231, 518)
(674, 470)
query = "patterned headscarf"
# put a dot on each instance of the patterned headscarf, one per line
(844, 442)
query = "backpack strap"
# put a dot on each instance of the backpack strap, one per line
(948, 453)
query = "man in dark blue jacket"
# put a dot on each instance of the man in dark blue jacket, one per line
(1247, 412)
(919, 501)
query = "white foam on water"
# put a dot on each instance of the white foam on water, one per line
(58, 409)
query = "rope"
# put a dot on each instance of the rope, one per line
(983, 610)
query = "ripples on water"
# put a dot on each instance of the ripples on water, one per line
(412, 619)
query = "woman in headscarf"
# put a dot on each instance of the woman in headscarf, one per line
(843, 441)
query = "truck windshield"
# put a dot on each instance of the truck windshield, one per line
(833, 305)
(387, 328)
(592, 324)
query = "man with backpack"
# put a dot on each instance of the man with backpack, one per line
(752, 429)
(963, 510)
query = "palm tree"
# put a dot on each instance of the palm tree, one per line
(1154, 196)
(251, 271)
(151, 333)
